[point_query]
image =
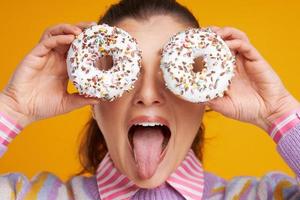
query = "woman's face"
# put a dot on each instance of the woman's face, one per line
(149, 101)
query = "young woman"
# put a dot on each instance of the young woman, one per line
(38, 90)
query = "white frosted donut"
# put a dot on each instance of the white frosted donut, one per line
(94, 43)
(177, 65)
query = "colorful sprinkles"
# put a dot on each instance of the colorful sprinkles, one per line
(94, 43)
(178, 59)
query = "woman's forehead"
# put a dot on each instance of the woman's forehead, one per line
(153, 32)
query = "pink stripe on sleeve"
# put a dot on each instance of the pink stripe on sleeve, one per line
(9, 129)
(3, 141)
(281, 125)
(284, 130)
(12, 121)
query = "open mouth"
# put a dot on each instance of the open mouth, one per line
(149, 143)
(153, 128)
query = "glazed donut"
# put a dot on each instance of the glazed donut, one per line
(94, 43)
(177, 61)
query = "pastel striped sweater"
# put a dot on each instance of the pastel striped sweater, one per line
(273, 185)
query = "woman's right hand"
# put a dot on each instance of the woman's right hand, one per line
(38, 88)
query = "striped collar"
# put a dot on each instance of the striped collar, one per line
(187, 179)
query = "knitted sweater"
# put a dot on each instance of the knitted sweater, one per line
(273, 185)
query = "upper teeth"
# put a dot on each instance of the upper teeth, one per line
(149, 124)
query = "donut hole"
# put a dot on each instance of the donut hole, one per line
(198, 64)
(104, 63)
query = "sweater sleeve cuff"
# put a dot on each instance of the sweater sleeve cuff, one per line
(283, 124)
(9, 129)
(289, 148)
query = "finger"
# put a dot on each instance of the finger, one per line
(214, 28)
(75, 100)
(232, 33)
(84, 25)
(61, 29)
(244, 48)
(217, 103)
(43, 48)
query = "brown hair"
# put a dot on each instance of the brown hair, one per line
(93, 147)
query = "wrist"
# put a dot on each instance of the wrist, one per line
(290, 105)
(9, 107)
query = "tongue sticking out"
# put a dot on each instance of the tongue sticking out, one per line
(147, 148)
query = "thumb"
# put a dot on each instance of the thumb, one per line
(75, 100)
(217, 103)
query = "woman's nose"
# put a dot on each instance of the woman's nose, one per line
(150, 87)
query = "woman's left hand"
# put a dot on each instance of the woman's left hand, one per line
(256, 94)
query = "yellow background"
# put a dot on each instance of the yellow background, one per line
(233, 149)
